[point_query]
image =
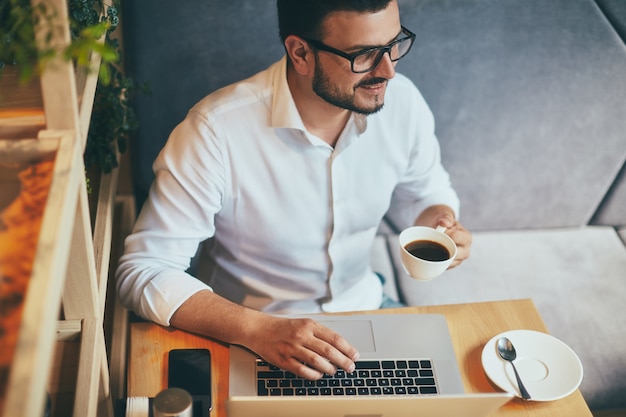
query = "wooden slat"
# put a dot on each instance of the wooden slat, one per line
(88, 380)
(80, 295)
(58, 81)
(31, 363)
(21, 123)
(102, 233)
(116, 316)
(93, 396)
(64, 370)
(105, 405)
(27, 150)
(87, 95)
(118, 350)
(68, 330)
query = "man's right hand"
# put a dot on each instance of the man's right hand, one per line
(299, 345)
(303, 346)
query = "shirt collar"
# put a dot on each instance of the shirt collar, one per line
(284, 111)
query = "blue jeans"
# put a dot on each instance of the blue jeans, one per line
(388, 302)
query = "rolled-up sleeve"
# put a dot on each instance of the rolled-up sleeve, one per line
(179, 215)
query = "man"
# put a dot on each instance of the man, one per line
(290, 172)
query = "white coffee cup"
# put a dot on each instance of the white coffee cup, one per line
(433, 260)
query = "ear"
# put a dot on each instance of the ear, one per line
(300, 53)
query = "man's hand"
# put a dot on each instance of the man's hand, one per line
(303, 346)
(444, 216)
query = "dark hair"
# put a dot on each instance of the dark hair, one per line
(304, 17)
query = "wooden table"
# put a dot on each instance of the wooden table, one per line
(471, 326)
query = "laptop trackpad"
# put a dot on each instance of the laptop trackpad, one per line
(358, 333)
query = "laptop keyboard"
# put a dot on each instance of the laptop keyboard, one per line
(384, 377)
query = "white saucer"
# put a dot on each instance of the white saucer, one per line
(549, 368)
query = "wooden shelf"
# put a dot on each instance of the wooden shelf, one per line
(36, 337)
(21, 124)
(60, 351)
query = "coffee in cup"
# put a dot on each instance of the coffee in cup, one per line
(426, 252)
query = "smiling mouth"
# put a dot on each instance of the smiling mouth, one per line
(373, 84)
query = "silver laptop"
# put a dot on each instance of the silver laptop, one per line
(407, 367)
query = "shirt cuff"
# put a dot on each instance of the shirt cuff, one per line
(165, 293)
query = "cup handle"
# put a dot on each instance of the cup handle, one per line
(441, 229)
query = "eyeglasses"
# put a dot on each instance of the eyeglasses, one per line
(368, 59)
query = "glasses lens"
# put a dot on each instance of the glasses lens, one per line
(367, 61)
(400, 49)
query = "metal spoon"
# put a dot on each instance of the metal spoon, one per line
(507, 352)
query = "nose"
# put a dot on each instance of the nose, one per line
(385, 68)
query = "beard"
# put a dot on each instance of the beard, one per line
(331, 93)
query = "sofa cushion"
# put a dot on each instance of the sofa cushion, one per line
(612, 210)
(528, 101)
(576, 278)
(615, 11)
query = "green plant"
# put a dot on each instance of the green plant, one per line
(17, 37)
(113, 118)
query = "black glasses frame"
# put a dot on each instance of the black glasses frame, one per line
(410, 36)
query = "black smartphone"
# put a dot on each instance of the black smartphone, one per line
(190, 369)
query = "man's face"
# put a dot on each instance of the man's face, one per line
(351, 32)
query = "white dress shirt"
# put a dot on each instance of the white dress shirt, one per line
(292, 218)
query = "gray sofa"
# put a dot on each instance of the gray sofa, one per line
(530, 104)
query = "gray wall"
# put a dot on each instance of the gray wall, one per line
(529, 97)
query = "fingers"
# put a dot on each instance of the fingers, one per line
(446, 220)
(309, 350)
(444, 216)
(332, 347)
(463, 239)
